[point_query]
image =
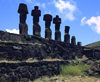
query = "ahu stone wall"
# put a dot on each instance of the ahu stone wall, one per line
(25, 72)
(19, 47)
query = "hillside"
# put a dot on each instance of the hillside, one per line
(95, 45)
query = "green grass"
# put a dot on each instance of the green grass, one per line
(95, 44)
(74, 70)
(20, 42)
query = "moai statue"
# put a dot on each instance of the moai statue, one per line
(47, 18)
(36, 13)
(73, 41)
(57, 22)
(23, 11)
(67, 36)
(79, 43)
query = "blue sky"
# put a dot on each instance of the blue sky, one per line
(82, 16)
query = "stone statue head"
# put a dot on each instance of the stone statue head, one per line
(23, 8)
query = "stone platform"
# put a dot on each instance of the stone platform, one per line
(23, 72)
(19, 47)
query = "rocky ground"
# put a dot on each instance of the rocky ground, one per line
(68, 79)
(93, 74)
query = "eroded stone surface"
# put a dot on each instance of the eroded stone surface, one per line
(23, 11)
(36, 13)
(57, 22)
(16, 72)
(48, 33)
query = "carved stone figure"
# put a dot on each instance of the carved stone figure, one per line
(73, 40)
(79, 43)
(67, 36)
(23, 11)
(36, 13)
(57, 22)
(67, 29)
(47, 18)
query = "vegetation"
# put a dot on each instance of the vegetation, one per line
(7, 61)
(15, 42)
(30, 60)
(95, 45)
(74, 70)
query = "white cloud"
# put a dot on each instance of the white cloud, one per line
(12, 31)
(64, 8)
(83, 20)
(70, 16)
(29, 1)
(93, 22)
(67, 8)
(36, 3)
(62, 5)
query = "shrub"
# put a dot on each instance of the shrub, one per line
(74, 70)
